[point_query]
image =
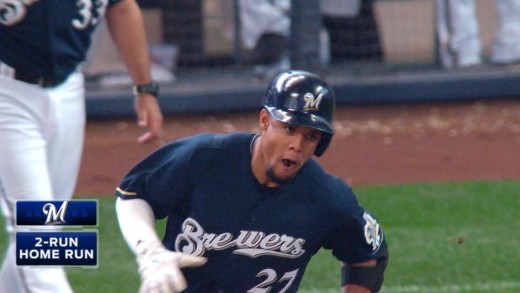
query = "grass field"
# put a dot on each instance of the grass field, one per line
(459, 237)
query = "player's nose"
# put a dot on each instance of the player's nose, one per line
(297, 142)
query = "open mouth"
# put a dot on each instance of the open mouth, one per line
(288, 163)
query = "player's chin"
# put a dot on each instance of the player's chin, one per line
(280, 176)
(288, 174)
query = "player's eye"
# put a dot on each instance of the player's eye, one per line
(313, 136)
(289, 128)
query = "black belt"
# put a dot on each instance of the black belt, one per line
(45, 82)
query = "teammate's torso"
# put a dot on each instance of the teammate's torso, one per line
(48, 37)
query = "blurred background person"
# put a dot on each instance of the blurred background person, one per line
(349, 32)
(265, 33)
(459, 38)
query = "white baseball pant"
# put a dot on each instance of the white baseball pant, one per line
(458, 33)
(41, 141)
(265, 16)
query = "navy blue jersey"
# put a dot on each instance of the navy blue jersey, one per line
(253, 236)
(48, 38)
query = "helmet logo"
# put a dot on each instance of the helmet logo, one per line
(312, 103)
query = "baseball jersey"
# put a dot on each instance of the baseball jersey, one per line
(48, 38)
(256, 238)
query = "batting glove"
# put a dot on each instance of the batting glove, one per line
(160, 268)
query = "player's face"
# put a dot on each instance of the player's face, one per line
(286, 148)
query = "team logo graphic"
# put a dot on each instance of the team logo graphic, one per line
(373, 232)
(56, 212)
(55, 216)
(312, 103)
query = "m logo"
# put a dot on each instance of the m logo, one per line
(312, 103)
(55, 217)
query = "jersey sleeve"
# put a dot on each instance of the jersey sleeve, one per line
(358, 236)
(160, 179)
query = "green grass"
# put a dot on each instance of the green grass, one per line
(422, 223)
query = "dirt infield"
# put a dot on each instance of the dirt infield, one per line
(386, 144)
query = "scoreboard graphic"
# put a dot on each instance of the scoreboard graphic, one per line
(54, 233)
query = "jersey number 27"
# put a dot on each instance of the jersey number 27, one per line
(270, 278)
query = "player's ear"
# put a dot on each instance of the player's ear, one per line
(264, 119)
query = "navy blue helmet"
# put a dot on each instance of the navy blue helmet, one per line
(304, 99)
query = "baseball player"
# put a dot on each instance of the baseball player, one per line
(246, 212)
(42, 111)
(458, 33)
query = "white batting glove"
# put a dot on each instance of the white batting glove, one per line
(160, 268)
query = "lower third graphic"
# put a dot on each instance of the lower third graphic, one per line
(56, 248)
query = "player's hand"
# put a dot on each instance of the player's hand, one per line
(148, 115)
(160, 268)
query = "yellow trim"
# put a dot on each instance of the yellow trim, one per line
(126, 192)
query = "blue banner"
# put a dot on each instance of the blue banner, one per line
(62, 213)
(56, 248)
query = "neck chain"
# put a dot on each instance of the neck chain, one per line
(252, 145)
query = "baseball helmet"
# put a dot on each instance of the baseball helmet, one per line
(304, 99)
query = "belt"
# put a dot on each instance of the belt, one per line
(45, 82)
